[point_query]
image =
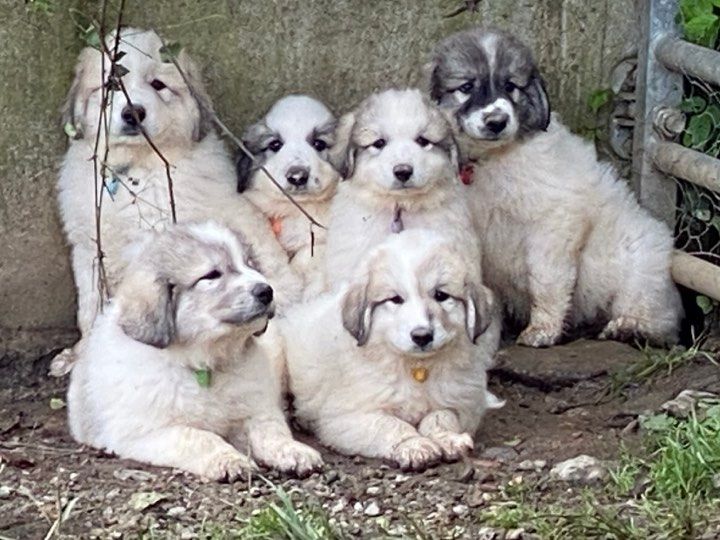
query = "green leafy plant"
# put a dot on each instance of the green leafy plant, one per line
(700, 21)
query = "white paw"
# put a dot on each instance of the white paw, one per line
(63, 362)
(621, 329)
(293, 457)
(539, 336)
(229, 466)
(416, 454)
(454, 445)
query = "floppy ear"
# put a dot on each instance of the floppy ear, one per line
(479, 306)
(244, 167)
(538, 107)
(67, 111)
(198, 91)
(357, 313)
(436, 88)
(342, 154)
(253, 139)
(147, 308)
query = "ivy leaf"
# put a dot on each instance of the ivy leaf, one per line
(694, 104)
(704, 303)
(90, 37)
(714, 112)
(699, 129)
(599, 98)
(657, 423)
(702, 29)
(170, 51)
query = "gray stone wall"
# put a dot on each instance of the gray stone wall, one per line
(253, 52)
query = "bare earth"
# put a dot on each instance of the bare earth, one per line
(557, 408)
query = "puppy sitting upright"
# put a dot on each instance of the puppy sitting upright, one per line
(175, 113)
(563, 239)
(401, 169)
(173, 373)
(393, 364)
(293, 142)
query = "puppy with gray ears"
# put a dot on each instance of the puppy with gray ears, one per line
(294, 142)
(564, 240)
(401, 170)
(393, 364)
(174, 373)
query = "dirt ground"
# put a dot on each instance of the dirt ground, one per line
(557, 408)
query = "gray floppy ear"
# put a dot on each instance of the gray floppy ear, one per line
(147, 308)
(537, 111)
(253, 139)
(479, 310)
(67, 111)
(197, 89)
(435, 83)
(244, 167)
(342, 154)
(357, 313)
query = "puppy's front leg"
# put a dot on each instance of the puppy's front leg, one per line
(552, 264)
(380, 435)
(443, 427)
(272, 444)
(194, 450)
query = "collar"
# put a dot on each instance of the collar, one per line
(420, 374)
(396, 225)
(466, 173)
(203, 377)
(276, 225)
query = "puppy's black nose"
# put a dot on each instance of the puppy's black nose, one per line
(297, 176)
(496, 122)
(422, 336)
(263, 292)
(403, 172)
(129, 118)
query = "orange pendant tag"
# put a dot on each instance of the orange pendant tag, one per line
(276, 226)
(420, 374)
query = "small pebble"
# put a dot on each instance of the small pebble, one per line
(372, 509)
(460, 510)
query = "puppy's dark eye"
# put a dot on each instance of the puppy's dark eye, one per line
(379, 144)
(319, 145)
(158, 85)
(275, 145)
(510, 86)
(211, 275)
(440, 296)
(422, 141)
(466, 88)
(397, 299)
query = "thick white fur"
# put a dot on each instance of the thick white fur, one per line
(144, 403)
(363, 399)
(565, 241)
(293, 120)
(364, 207)
(202, 173)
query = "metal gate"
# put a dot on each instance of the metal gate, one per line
(663, 60)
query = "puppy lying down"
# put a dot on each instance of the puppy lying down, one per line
(174, 372)
(393, 364)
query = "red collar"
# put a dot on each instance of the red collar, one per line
(466, 173)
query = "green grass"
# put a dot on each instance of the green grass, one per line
(676, 476)
(656, 362)
(283, 519)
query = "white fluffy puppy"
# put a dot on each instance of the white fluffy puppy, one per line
(173, 373)
(294, 142)
(401, 170)
(134, 193)
(393, 364)
(564, 240)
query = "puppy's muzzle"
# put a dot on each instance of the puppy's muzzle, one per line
(133, 116)
(496, 121)
(298, 176)
(263, 293)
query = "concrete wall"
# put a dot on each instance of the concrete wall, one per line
(254, 51)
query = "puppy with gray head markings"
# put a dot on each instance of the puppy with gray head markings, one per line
(174, 372)
(294, 142)
(564, 240)
(393, 365)
(176, 115)
(401, 170)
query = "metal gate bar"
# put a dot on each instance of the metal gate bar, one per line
(662, 60)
